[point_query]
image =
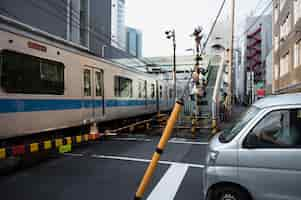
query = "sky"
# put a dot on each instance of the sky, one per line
(154, 17)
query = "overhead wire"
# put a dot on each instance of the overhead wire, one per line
(258, 17)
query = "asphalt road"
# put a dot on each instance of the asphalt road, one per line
(112, 169)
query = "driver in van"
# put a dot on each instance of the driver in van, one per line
(280, 129)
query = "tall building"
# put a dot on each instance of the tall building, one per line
(286, 46)
(118, 28)
(134, 42)
(87, 24)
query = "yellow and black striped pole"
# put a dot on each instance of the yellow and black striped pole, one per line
(159, 150)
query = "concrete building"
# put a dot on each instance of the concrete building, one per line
(134, 42)
(286, 46)
(256, 46)
(86, 23)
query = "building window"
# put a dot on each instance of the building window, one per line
(282, 3)
(276, 14)
(99, 83)
(123, 87)
(22, 73)
(297, 10)
(285, 28)
(284, 64)
(276, 72)
(276, 43)
(87, 82)
(297, 54)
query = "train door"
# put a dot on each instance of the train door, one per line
(99, 104)
(93, 93)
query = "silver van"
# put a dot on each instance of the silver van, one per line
(259, 158)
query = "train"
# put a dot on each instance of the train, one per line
(46, 85)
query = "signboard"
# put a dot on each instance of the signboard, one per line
(36, 46)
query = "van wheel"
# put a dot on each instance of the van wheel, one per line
(228, 193)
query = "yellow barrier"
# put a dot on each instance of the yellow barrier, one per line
(34, 147)
(58, 142)
(2, 153)
(160, 147)
(65, 148)
(47, 145)
(78, 139)
(86, 137)
(68, 140)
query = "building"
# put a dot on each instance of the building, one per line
(89, 24)
(256, 46)
(286, 46)
(134, 42)
(118, 29)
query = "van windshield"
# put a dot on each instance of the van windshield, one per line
(229, 134)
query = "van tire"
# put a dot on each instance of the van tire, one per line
(228, 193)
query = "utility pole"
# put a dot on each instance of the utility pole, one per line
(231, 55)
(172, 35)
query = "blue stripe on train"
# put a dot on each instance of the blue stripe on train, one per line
(31, 105)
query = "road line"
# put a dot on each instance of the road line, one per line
(187, 142)
(74, 154)
(144, 160)
(169, 184)
(132, 139)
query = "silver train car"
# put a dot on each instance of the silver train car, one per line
(45, 86)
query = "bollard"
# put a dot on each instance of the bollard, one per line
(214, 126)
(159, 150)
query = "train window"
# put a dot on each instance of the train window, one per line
(145, 89)
(170, 93)
(123, 87)
(28, 74)
(98, 83)
(161, 92)
(152, 90)
(140, 89)
(87, 82)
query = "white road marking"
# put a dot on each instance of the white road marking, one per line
(184, 141)
(144, 160)
(169, 184)
(74, 154)
(132, 139)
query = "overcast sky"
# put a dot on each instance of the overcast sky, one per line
(153, 17)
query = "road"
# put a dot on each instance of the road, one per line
(112, 169)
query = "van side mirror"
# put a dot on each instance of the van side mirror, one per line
(251, 141)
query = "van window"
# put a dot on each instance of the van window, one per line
(279, 128)
(22, 73)
(123, 87)
(230, 133)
